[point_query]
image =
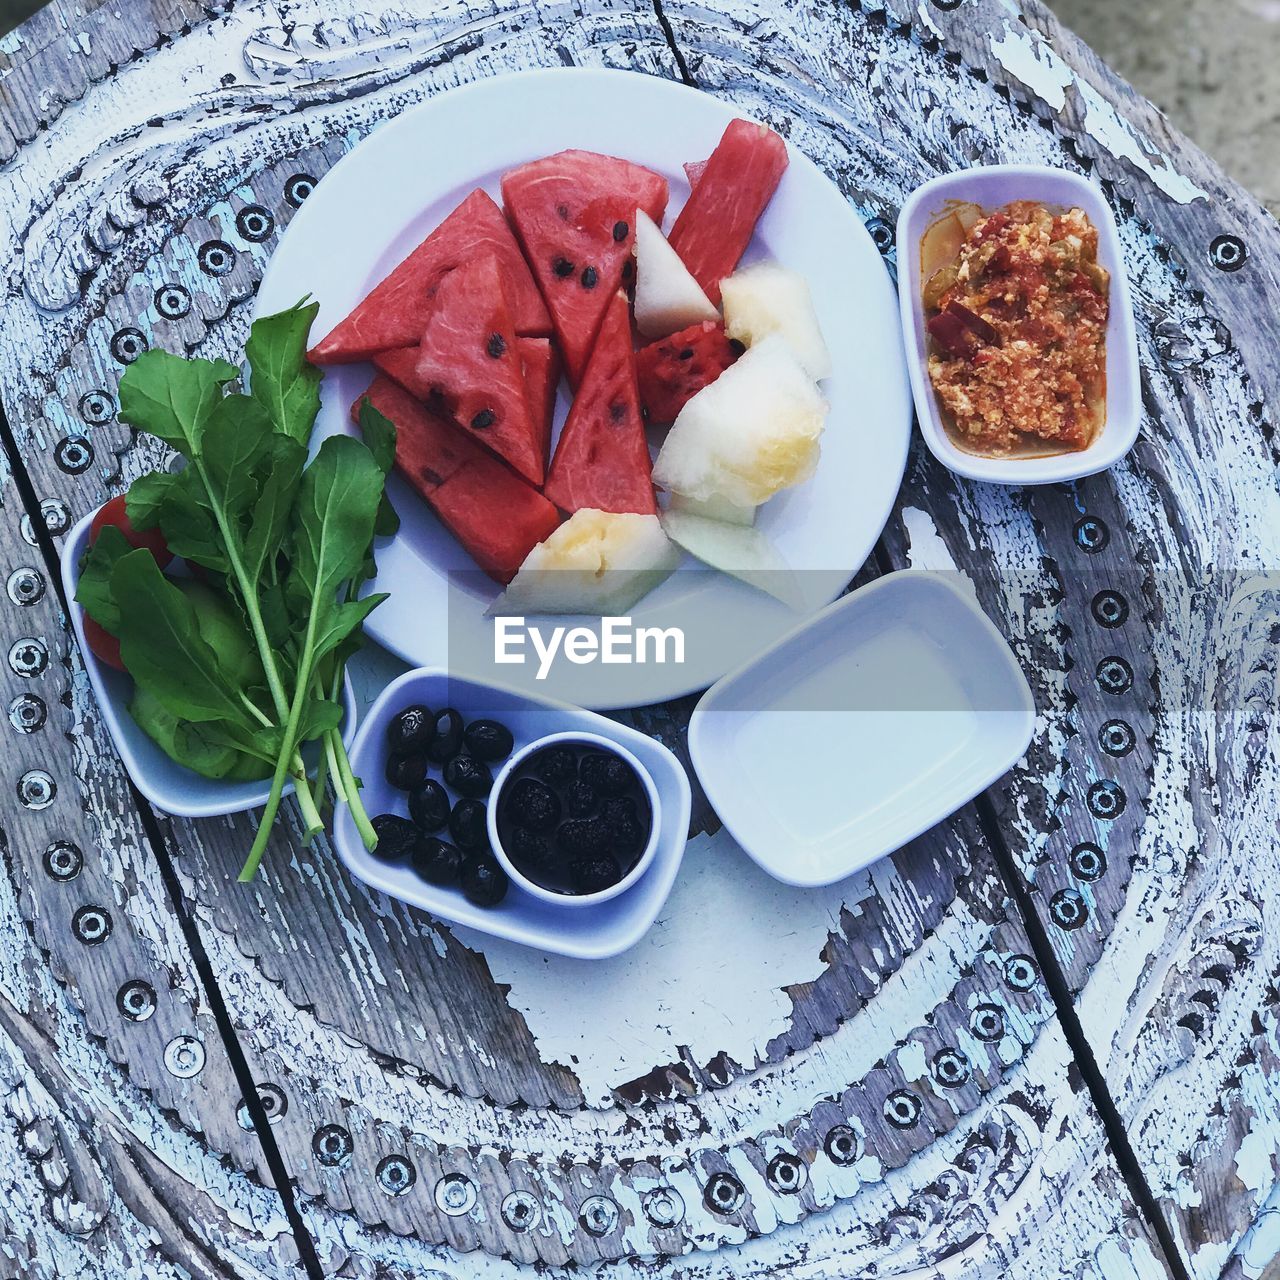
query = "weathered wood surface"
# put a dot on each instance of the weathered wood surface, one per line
(879, 1080)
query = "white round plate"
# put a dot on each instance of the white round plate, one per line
(382, 198)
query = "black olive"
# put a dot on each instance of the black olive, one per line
(411, 730)
(584, 837)
(447, 739)
(562, 267)
(485, 418)
(405, 772)
(429, 805)
(496, 346)
(605, 773)
(396, 837)
(483, 881)
(620, 230)
(595, 874)
(529, 848)
(468, 776)
(579, 799)
(555, 765)
(437, 861)
(532, 804)
(488, 740)
(468, 824)
(589, 277)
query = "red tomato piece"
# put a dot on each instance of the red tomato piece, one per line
(114, 512)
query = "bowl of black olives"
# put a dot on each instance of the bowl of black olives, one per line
(574, 818)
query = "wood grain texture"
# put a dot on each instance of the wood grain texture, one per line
(919, 1105)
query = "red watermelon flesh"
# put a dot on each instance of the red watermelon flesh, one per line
(496, 516)
(693, 170)
(673, 370)
(602, 459)
(470, 365)
(575, 214)
(394, 312)
(542, 381)
(736, 183)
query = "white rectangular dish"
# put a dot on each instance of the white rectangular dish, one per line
(587, 932)
(862, 728)
(169, 786)
(990, 187)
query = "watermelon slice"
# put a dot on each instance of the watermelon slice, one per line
(728, 197)
(469, 362)
(394, 312)
(602, 459)
(542, 381)
(496, 516)
(574, 213)
(675, 369)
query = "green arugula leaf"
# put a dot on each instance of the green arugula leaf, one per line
(185, 743)
(319, 716)
(342, 622)
(93, 590)
(379, 433)
(281, 464)
(163, 650)
(188, 523)
(147, 495)
(236, 434)
(280, 377)
(172, 398)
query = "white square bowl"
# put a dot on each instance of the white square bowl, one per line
(990, 187)
(862, 728)
(169, 786)
(592, 932)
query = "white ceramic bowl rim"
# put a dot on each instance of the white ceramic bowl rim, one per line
(603, 744)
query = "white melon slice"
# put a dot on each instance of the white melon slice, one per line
(737, 550)
(714, 508)
(767, 298)
(668, 298)
(750, 433)
(597, 562)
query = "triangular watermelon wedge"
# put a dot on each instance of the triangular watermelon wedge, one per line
(602, 459)
(496, 516)
(574, 213)
(542, 380)
(394, 312)
(470, 365)
(730, 191)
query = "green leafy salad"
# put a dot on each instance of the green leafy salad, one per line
(238, 670)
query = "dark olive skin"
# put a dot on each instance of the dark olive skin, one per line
(468, 776)
(488, 740)
(584, 837)
(447, 739)
(429, 806)
(483, 881)
(468, 825)
(397, 837)
(595, 874)
(437, 861)
(579, 799)
(605, 773)
(407, 772)
(532, 804)
(411, 730)
(556, 765)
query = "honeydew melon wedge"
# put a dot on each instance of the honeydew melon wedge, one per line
(767, 298)
(714, 508)
(668, 298)
(735, 549)
(752, 432)
(597, 562)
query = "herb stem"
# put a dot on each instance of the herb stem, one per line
(351, 792)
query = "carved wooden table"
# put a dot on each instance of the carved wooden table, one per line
(1040, 1041)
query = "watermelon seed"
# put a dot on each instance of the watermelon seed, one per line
(562, 267)
(620, 230)
(738, 347)
(496, 346)
(617, 411)
(563, 211)
(686, 354)
(628, 269)
(485, 418)
(589, 277)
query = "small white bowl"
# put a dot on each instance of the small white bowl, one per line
(651, 794)
(991, 187)
(169, 786)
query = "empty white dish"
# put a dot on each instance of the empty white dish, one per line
(169, 786)
(861, 728)
(589, 932)
(990, 187)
